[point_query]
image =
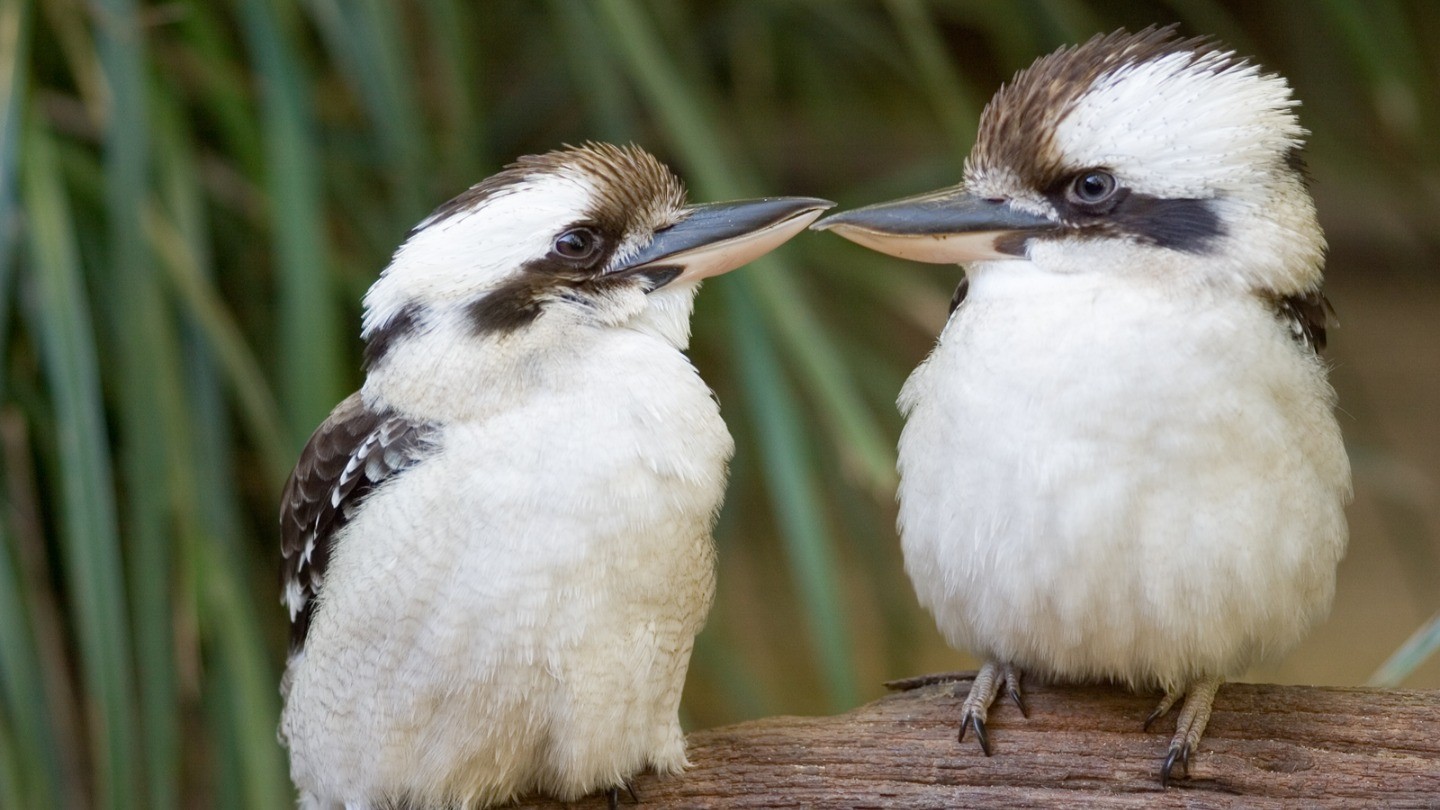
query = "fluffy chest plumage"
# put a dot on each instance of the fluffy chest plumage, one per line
(489, 611)
(1101, 478)
(603, 491)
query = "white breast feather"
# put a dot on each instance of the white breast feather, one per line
(517, 611)
(1103, 479)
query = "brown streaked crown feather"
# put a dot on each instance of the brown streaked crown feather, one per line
(634, 186)
(352, 452)
(1017, 127)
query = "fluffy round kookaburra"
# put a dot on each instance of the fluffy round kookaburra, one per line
(1120, 462)
(498, 552)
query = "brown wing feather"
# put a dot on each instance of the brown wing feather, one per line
(351, 453)
(1308, 315)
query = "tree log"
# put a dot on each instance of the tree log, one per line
(1266, 746)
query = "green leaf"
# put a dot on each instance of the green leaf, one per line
(310, 334)
(152, 404)
(1404, 661)
(88, 530)
(795, 496)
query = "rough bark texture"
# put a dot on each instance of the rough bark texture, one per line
(1267, 746)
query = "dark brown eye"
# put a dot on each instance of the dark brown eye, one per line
(577, 244)
(1093, 187)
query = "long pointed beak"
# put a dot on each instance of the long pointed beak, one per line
(950, 226)
(716, 238)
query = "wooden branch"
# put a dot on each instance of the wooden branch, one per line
(1267, 746)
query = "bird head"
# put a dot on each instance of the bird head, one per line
(1131, 153)
(595, 235)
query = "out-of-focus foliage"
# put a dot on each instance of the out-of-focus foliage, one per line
(194, 194)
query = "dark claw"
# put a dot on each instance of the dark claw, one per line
(1155, 715)
(1180, 754)
(612, 795)
(974, 721)
(1019, 699)
(980, 734)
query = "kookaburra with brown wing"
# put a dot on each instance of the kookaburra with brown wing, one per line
(498, 552)
(1120, 462)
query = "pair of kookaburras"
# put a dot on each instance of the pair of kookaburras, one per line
(1120, 461)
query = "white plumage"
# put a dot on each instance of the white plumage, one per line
(498, 552)
(1106, 479)
(1120, 461)
(518, 611)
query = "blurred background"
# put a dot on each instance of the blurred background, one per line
(195, 194)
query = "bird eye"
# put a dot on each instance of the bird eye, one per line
(1093, 187)
(577, 244)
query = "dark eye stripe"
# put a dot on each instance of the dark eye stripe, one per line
(1186, 225)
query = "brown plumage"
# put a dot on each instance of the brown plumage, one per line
(352, 452)
(633, 184)
(1308, 315)
(1032, 104)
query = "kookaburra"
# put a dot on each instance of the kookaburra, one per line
(497, 553)
(1120, 462)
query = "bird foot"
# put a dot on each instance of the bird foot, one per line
(1189, 728)
(612, 796)
(976, 709)
(1012, 688)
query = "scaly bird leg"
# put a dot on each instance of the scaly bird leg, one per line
(976, 708)
(1012, 688)
(1190, 727)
